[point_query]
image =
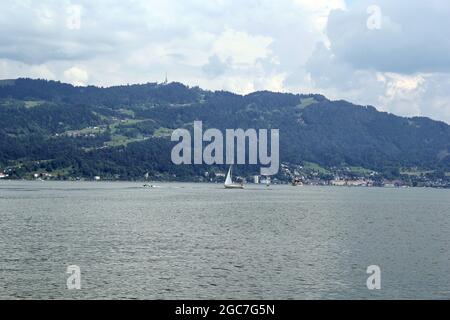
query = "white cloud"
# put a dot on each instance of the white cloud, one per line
(73, 20)
(76, 76)
(241, 47)
(403, 93)
(319, 10)
(11, 69)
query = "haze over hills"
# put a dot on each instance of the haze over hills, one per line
(124, 132)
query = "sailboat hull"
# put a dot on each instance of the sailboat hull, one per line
(234, 186)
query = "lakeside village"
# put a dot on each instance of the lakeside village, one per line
(308, 174)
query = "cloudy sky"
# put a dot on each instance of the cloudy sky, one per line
(394, 55)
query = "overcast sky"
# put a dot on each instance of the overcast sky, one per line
(394, 55)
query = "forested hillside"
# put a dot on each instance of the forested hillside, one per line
(124, 132)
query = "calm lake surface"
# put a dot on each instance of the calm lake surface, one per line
(199, 241)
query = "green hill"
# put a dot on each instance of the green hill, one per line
(124, 131)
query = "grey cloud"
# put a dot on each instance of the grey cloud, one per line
(216, 67)
(341, 80)
(326, 71)
(38, 33)
(413, 36)
(387, 91)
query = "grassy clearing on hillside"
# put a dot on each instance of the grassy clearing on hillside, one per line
(119, 140)
(163, 132)
(315, 167)
(306, 102)
(360, 171)
(33, 103)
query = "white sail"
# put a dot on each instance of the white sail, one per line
(228, 180)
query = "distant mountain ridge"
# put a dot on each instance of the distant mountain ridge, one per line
(124, 131)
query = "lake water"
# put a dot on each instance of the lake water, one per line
(200, 241)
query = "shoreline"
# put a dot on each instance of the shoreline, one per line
(263, 186)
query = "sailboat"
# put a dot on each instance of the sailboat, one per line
(229, 182)
(147, 185)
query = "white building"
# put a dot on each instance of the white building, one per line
(338, 182)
